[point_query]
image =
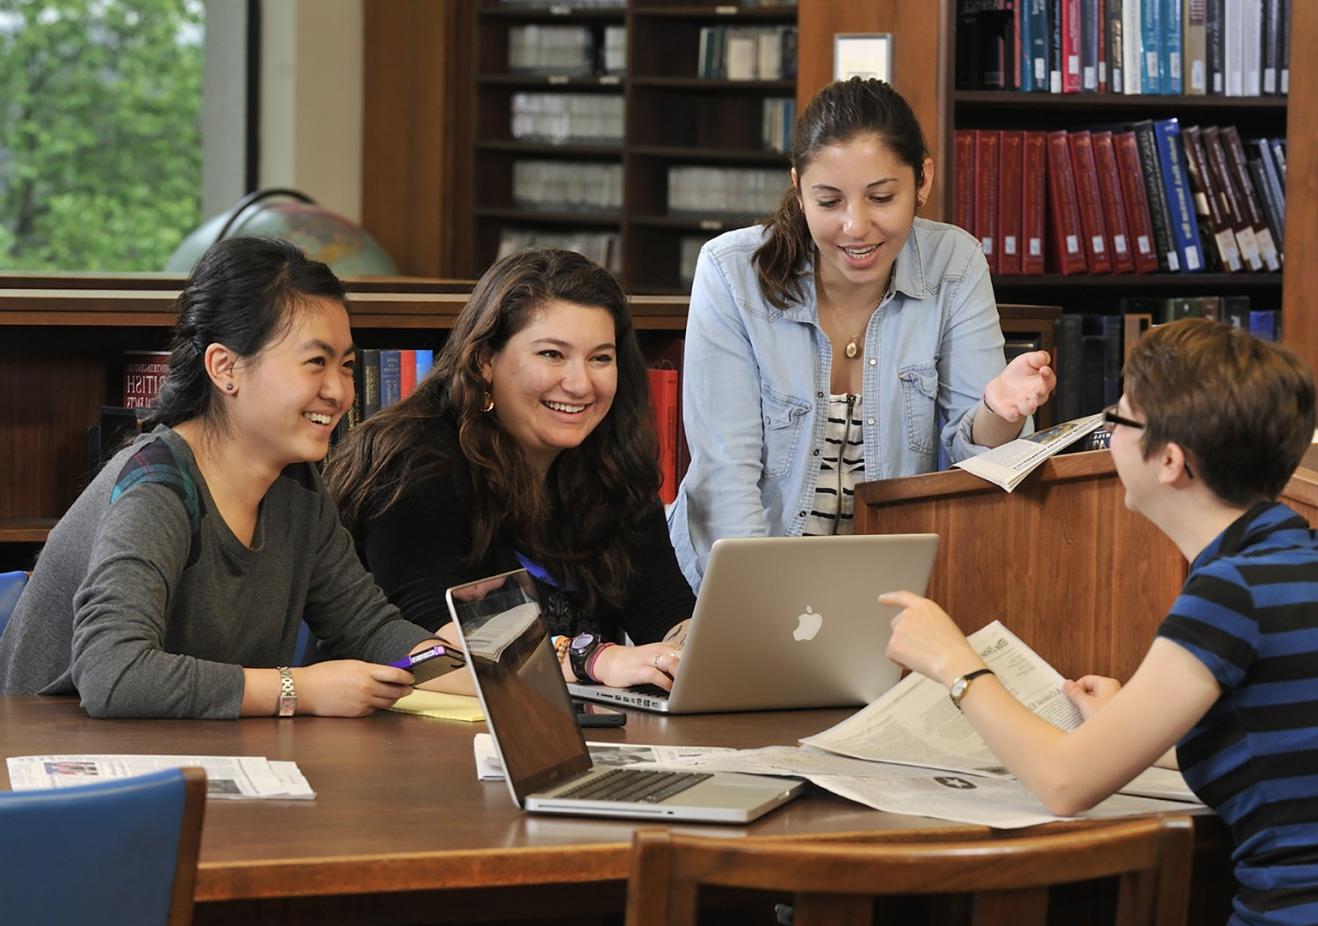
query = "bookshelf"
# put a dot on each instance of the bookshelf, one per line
(672, 118)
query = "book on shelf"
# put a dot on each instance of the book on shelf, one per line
(987, 161)
(1089, 204)
(1210, 206)
(746, 53)
(1065, 231)
(667, 421)
(1135, 196)
(1169, 260)
(1180, 210)
(1010, 201)
(1222, 179)
(1235, 159)
(144, 374)
(1033, 202)
(1113, 202)
(1129, 47)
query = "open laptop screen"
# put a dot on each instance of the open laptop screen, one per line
(520, 683)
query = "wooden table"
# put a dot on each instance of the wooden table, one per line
(401, 830)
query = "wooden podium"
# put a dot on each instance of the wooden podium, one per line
(1060, 561)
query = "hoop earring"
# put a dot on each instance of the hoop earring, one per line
(488, 405)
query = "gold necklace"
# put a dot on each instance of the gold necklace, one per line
(852, 348)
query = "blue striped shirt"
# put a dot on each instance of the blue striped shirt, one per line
(1249, 612)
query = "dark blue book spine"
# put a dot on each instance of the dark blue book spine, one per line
(391, 378)
(1184, 224)
(1089, 26)
(1040, 41)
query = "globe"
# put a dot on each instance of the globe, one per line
(323, 235)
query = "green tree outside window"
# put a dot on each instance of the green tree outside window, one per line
(100, 132)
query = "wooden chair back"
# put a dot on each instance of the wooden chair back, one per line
(835, 884)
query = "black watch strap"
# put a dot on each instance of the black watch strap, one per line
(579, 651)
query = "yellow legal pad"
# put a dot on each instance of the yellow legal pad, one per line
(440, 705)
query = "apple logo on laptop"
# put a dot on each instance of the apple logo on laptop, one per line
(808, 626)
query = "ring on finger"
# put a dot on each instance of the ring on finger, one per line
(655, 660)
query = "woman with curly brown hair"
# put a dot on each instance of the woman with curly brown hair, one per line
(529, 444)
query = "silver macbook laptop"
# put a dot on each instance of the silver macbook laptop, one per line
(789, 622)
(534, 728)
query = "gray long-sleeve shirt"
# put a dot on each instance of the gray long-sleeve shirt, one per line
(145, 604)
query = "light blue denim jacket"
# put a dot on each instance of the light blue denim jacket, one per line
(755, 384)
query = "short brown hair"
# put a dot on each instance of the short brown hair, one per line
(1242, 408)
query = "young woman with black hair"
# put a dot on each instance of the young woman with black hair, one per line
(530, 445)
(174, 585)
(845, 339)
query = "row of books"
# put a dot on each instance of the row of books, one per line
(567, 117)
(747, 53)
(582, 185)
(723, 190)
(1092, 348)
(384, 377)
(574, 5)
(1141, 198)
(1193, 47)
(777, 123)
(570, 50)
(604, 248)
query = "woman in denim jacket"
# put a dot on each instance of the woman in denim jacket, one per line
(844, 271)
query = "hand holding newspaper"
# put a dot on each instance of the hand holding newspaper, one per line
(1009, 464)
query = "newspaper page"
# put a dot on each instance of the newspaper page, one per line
(922, 792)
(915, 723)
(489, 768)
(1009, 464)
(227, 777)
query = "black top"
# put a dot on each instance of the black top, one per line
(417, 550)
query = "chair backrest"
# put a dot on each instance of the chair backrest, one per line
(836, 884)
(11, 584)
(116, 852)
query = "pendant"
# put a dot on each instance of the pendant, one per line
(852, 350)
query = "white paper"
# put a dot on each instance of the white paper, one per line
(1006, 466)
(227, 777)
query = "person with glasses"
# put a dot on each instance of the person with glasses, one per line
(1211, 426)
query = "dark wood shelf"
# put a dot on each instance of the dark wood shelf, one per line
(607, 83)
(713, 155)
(1146, 281)
(555, 13)
(692, 223)
(572, 150)
(709, 85)
(1116, 102)
(722, 13)
(549, 217)
(25, 530)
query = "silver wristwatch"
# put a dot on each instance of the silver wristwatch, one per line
(287, 693)
(960, 684)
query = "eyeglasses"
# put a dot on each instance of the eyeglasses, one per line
(1110, 416)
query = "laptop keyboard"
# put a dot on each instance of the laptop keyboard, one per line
(633, 785)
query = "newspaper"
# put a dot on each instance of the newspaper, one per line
(489, 768)
(227, 777)
(1009, 464)
(985, 800)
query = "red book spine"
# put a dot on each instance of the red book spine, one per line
(987, 144)
(663, 402)
(1070, 10)
(1033, 200)
(1064, 212)
(1010, 203)
(1101, 26)
(964, 208)
(1131, 173)
(406, 373)
(1114, 204)
(1091, 210)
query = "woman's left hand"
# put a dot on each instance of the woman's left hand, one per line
(625, 666)
(925, 640)
(1022, 387)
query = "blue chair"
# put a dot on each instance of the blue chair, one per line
(11, 584)
(116, 852)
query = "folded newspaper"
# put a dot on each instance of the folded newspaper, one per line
(227, 777)
(1008, 465)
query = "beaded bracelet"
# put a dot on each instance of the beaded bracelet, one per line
(561, 643)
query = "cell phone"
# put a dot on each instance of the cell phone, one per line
(590, 714)
(431, 663)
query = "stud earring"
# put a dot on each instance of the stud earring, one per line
(228, 387)
(488, 404)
